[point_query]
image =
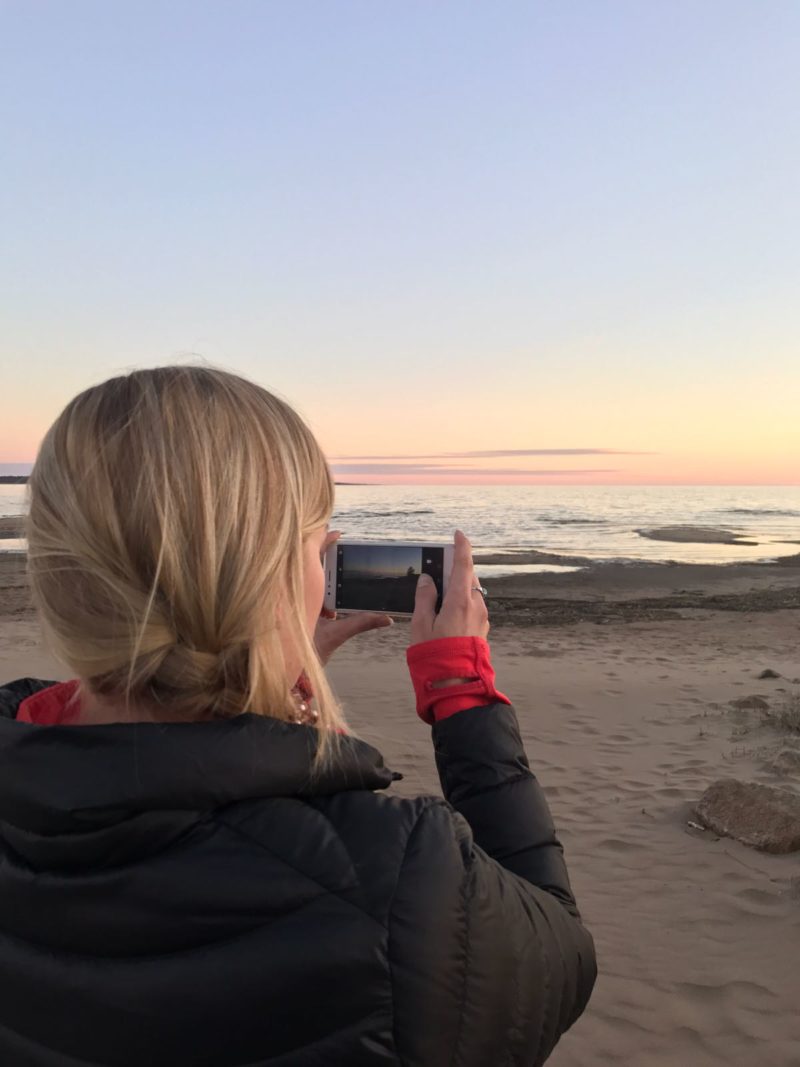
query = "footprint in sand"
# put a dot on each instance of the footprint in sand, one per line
(584, 726)
(671, 792)
(720, 991)
(618, 845)
(563, 791)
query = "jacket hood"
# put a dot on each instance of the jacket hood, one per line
(72, 794)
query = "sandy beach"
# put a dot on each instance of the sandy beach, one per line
(623, 678)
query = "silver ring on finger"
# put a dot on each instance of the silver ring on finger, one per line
(481, 590)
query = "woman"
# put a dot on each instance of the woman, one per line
(200, 865)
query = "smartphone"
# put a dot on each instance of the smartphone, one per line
(382, 575)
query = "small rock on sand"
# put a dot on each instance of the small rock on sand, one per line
(786, 761)
(752, 703)
(769, 673)
(757, 815)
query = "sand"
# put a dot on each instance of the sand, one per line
(713, 535)
(624, 696)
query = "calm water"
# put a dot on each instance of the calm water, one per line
(595, 521)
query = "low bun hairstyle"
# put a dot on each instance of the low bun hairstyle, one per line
(168, 509)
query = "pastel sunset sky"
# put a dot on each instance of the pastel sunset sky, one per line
(470, 242)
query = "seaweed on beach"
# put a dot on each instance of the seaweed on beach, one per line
(515, 611)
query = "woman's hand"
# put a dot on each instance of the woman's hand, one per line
(463, 612)
(330, 633)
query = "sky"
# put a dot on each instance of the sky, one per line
(555, 243)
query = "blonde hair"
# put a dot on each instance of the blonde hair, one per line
(168, 509)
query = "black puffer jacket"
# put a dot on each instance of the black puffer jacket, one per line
(183, 895)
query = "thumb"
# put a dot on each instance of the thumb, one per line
(424, 607)
(362, 621)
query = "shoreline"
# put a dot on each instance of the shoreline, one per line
(11, 525)
(642, 591)
(601, 592)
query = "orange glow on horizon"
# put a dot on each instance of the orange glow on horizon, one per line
(506, 480)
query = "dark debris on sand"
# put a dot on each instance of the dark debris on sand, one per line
(513, 611)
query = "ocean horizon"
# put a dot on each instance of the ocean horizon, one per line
(601, 523)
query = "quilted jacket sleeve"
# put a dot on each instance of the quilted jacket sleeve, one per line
(516, 961)
(519, 865)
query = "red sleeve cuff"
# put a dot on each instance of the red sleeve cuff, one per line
(451, 657)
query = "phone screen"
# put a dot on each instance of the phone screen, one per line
(384, 577)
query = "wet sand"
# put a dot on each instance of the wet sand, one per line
(623, 678)
(10, 526)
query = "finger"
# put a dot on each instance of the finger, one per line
(373, 620)
(424, 607)
(330, 537)
(360, 622)
(462, 576)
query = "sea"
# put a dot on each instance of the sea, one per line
(599, 523)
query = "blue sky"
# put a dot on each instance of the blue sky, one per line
(452, 226)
